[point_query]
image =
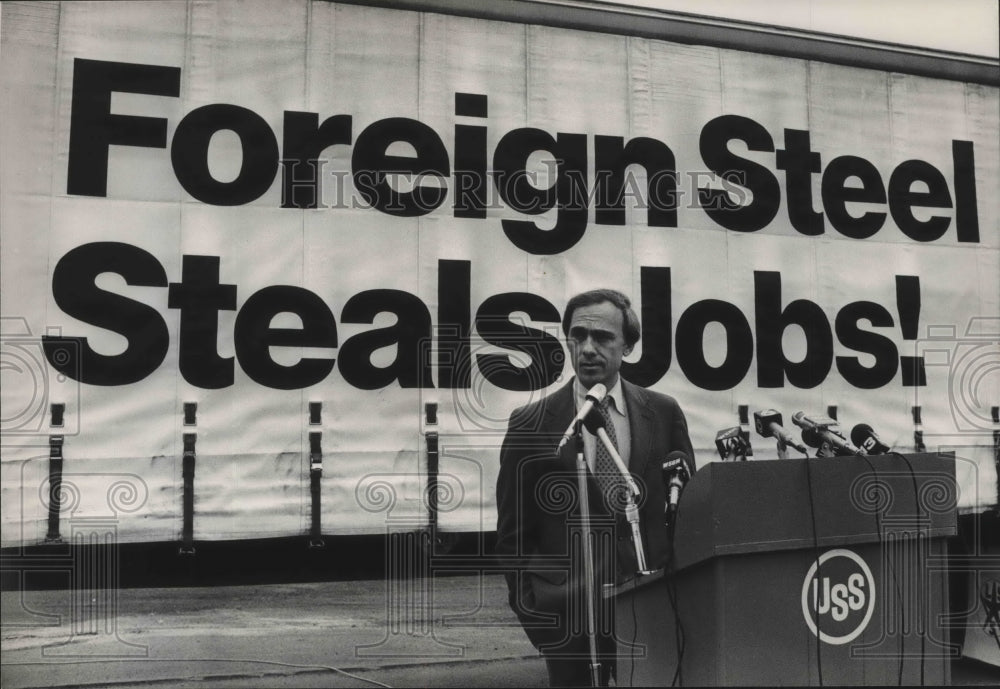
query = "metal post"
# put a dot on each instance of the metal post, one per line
(588, 557)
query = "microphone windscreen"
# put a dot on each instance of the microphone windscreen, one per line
(860, 433)
(864, 437)
(674, 460)
(676, 455)
(724, 440)
(810, 436)
(727, 433)
(594, 421)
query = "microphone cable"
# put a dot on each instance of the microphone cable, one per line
(917, 510)
(671, 586)
(815, 547)
(632, 645)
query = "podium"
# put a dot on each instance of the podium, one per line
(799, 571)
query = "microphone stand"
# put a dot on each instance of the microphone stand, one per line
(631, 509)
(588, 555)
(782, 449)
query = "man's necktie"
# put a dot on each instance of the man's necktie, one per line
(609, 478)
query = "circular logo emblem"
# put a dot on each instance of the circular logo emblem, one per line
(838, 596)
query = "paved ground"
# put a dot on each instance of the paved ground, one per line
(445, 632)
(454, 631)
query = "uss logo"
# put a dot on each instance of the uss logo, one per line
(838, 596)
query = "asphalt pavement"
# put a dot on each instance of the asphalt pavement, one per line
(433, 632)
(441, 631)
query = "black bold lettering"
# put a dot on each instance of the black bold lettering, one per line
(454, 324)
(411, 334)
(690, 344)
(75, 292)
(836, 196)
(902, 199)
(966, 209)
(304, 140)
(908, 304)
(657, 338)
(470, 158)
(189, 154)
(771, 321)
(612, 157)
(714, 143)
(495, 326)
(371, 166)
(93, 128)
(200, 297)
(569, 194)
(847, 323)
(254, 337)
(799, 162)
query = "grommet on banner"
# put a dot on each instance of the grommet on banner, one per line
(315, 474)
(187, 471)
(58, 415)
(831, 411)
(190, 413)
(315, 413)
(918, 430)
(433, 464)
(55, 476)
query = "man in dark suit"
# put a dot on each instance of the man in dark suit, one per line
(538, 525)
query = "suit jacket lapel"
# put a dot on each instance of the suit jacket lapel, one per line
(560, 408)
(640, 421)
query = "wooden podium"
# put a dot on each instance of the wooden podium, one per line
(829, 573)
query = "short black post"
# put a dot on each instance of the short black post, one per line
(315, 474)
(55, 486)
(433, 466)
(918, 431)
(187, 534)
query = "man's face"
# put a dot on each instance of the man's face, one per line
(597, 343)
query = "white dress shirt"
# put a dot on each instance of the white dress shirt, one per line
(619, 417)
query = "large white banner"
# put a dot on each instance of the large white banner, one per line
(256, 207)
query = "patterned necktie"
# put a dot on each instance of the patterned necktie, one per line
(606, 472)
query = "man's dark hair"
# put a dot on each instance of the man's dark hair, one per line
(631, 328)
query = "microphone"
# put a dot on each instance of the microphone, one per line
(732, 444)
(768, 423)
(864, 437)
(595, 395)
(820, 431)
(810, 436)
(675, 475)
(724, 441)
(596, 425)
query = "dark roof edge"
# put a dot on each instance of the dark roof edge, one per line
(718, 33)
